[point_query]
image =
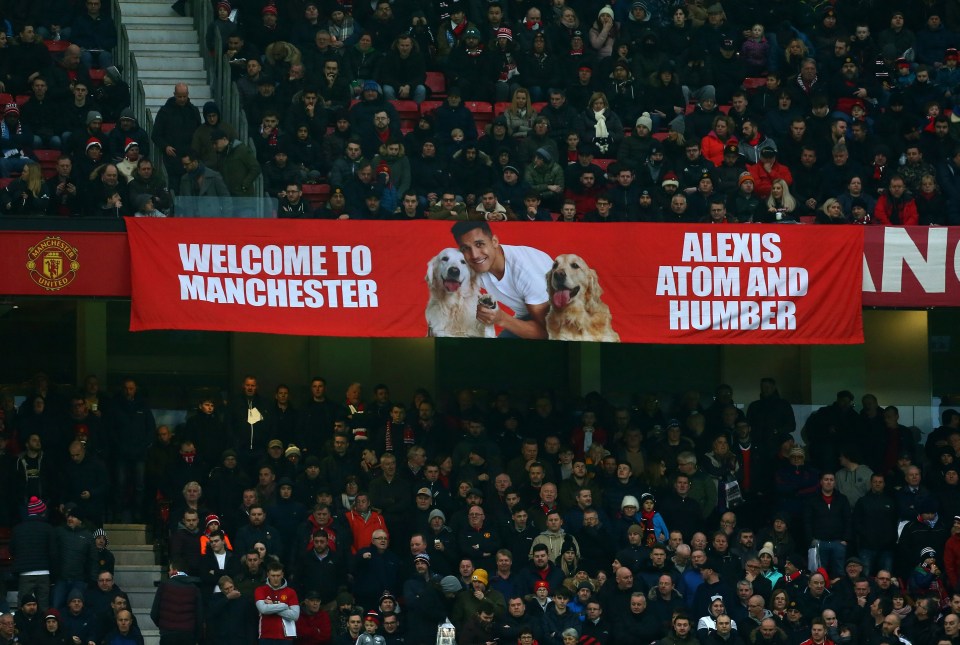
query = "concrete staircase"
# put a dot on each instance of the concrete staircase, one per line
(167, 51)
(136, 572)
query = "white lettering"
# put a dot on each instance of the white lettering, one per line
(899, 249)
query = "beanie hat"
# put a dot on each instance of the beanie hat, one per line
(101, 533)
(436, 513)
(93, 115)
(75, 594)
(225, 5)
(52, 613)
(372, 615)
(745, 176)
(36, 506)
(504, 32)
(606, 10)
(210, 519)
(11, 108)
(544, 154)
(129, 143)
(270, 8)
(93, 141)
(645, 120)
(449, 584)
(629, 500)
(292, 450)
(670, 179)
(481, 575)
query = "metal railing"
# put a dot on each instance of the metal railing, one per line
(125, 59)
(226, 95)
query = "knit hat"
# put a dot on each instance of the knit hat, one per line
(927, 552)
(292, 450)
(216, 135)
(270, 8)
(544, 154)
(372, 86)
(449, 584)
(505, 32)
(11, 108)
(275, 443)
(93, 115)
(422, 557)
(629, 500)
(372, 616)
(606, 10)
(36, 506)
(436, 513)
(28, 598)
(745, 176)
(210, 519)
(75, 594)
(645, 120)
(481, 575)
(129, 143)
(648, 496)
(541, 584)
(768, 549)
(670, 179)
(472, 32)
(225, 5)
(51, 613)
(634, 528)
(101, 533)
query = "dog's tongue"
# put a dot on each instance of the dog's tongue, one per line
(561, 298)
(451, 285)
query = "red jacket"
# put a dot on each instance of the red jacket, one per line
(763, 180)
(284, 605)
(711, 147)
(314, 629)
(363, 528)
(885, 211)
(951, 560)
(577, 437)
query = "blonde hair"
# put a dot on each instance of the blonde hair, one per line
(32, 176)
(787, 200)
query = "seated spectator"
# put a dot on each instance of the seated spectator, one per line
(145, 182)
(16, 141)
(26, 195)
(63, 191)
(96, 34)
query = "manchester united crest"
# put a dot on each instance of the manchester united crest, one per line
(52, 263)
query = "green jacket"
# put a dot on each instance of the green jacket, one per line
(239, 167)
(546, 175)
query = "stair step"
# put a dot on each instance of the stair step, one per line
(151, 49)
(136, 22)
(142, 558)
(123, 534)
(147, 9)
(144, 36)
(136, 575)
(141, 599)
(168, 63)
(171, 76)
(197, 94)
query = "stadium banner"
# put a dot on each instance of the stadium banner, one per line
(64, 263)
(914, 266)
(665, 283)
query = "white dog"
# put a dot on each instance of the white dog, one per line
(454, 290)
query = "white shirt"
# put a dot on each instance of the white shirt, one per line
(524, 279)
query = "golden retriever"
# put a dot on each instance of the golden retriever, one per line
(576, 311)
(454, 292)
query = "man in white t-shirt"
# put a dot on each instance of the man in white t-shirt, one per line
(513, 275)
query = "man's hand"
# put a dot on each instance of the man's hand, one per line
(170, 151)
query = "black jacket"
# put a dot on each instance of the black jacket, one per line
(833, 522)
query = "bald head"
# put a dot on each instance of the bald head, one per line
(181, 93)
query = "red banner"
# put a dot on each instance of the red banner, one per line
(640, 284)
(64, 263)
(912, 267)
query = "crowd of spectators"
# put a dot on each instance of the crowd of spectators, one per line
(647, 110)
(360, 520)
(658, 110)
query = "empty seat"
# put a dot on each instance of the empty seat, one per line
(437, 84)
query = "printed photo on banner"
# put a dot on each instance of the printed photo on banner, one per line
(471, 288)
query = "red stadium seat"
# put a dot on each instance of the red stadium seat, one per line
(96, 76)
(409, 113)
(660, 136)
(316, 194)
(6, 181)
(107, 127)
(604, 163)
(753, 83)
(48, 161)
(21, 99)
(538, 107)
(482, 113)
(437, 84)
(427, 107)
(55, 46)
(5, 98)
(500, 108)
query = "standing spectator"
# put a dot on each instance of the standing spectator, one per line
(133, 430)
(177, 607)
(173, 130)
(205, 185)
(33, 546)
(828, 522)
(76, 556)
(278, 606)
(236, 163)
(85, 485)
